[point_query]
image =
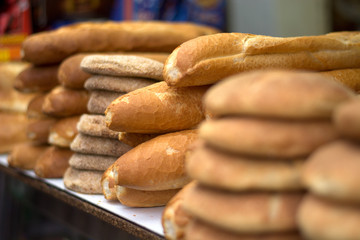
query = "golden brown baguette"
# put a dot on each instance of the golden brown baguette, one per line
(9, 71)
(70, 74)
(38, 130)
(65, 102)
(157, 108)
(244, 212)
(208, 59)
(63, 132)
(138, 198)
(37, 79)
(349, 77)
(151, 36)
(157, 164)
(12, 130)
(279, 94)
(34, 108)
(25, 154)
(53, 162)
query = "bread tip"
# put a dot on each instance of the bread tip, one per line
(171, 75)
(108, 117)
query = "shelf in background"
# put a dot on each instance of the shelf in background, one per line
(144, 223)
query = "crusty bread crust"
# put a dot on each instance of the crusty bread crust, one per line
(54, 46)
(349, 77)
(63, 132)
(70, 74)
(24, 155)
(38, 130)
(207, 59)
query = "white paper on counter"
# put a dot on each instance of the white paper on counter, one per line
(148, 218)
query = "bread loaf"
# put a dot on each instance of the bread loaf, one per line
(53, 162)
(91, 162)
(24, 155)
(218, 169)
(12, 130)
(349, 77)
(134, 139)
(138, 198)
(97, 145)
(249, 212)
(332, 171)
(116, 84)
(14, 101)
(83, 181)
(37, 79)
(38, 130)
(64, 102)
(155, 165)
(207, 59)
(346, 118)
(94, 125)
(54, 46)
(99, 100)
(9, 71)
(34, 108)
(108, 184)
(63, 132)
(280, 94)
(123, 66)
(320, 218)
(283, 139)
(157, 108)
(70, 75)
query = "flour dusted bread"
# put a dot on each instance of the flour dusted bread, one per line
(24, 155)
(37, 79)
(138, 198)
(53, 162)
(70, 74)
(116, 84)
(123, 66)
(282, 94)
(94, 125)
(256, 212)
(99, 100)
(347, 119)
(320, 218)
(12, 130)
(83, 181)
(91, 162)
(65, 102)
(54, 46)
(63, 132)
(349, 77)
(97, 145)
(332, 171)
(235, 172)
(157, 164)
(157, 108)
(282, 139)
(208, 59)
(174, 218)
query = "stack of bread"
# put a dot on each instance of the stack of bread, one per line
(13, 105)
(249, 158)
(331, 210)
(96, 147)
(159, 122)
(66, 102)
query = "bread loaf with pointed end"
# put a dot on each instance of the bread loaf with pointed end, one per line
(148, 36)
(38, 130)
(63, 132)
(208, 59)
(158, 164)
(24, 155)
(70, 74)
(278, 94)
(157, 108)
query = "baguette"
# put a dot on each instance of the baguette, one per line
(208, 59)
(9, 71)
(91, 162)
(70, 74)
(151, 36)
(99, 100)
(34, 108)
(83, 181)
(38, 131)
(108, 184)
(123, 66)
(116, 84)
(37, 79)
(157, 108)
(134, 139)
(346, 118)
(64, 102)
(138, 198)
(14, 101)
(349, 77)
(94, 125)
(63, 132)
(25, 154)
(155, 165)
(53, 162)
